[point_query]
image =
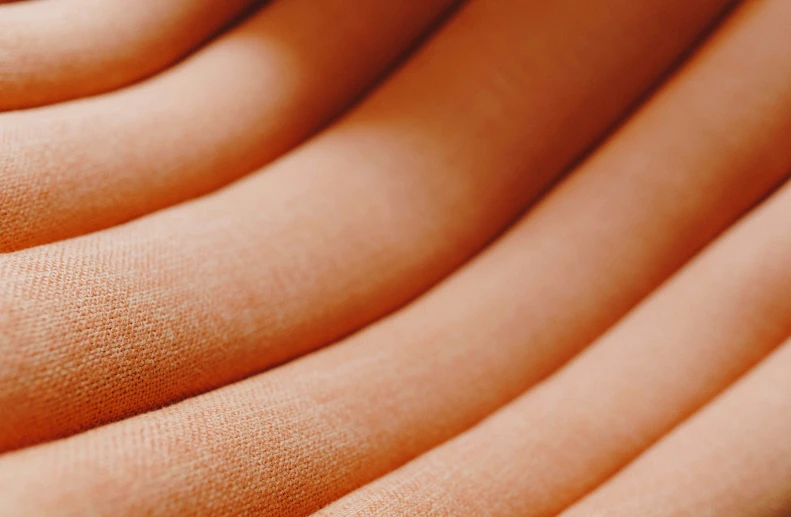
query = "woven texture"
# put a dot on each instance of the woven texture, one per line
(744, 471)
(211, 291)
(690, 340)
(233, 106)
(434, 258)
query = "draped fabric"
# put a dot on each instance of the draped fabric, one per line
(376, 258)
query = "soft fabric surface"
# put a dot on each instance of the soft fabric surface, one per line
(240, 102)
(53, 51)
(330, 237)
(376, 258)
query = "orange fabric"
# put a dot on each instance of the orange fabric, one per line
(211, 291)
(234, 105)
(732, 458)
(494, 257)
(55, 51)
(688, 341)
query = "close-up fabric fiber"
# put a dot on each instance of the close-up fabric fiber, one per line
(496, 258)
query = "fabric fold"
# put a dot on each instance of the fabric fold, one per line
(240, 102)
(338, 233)
(56, 51)
(731, 458)
(295, 438)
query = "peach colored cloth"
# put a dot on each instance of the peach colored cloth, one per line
(234, 105)
(332, 235)
(426, 257)
(734, 466)
(55, 51)
(688, 341)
